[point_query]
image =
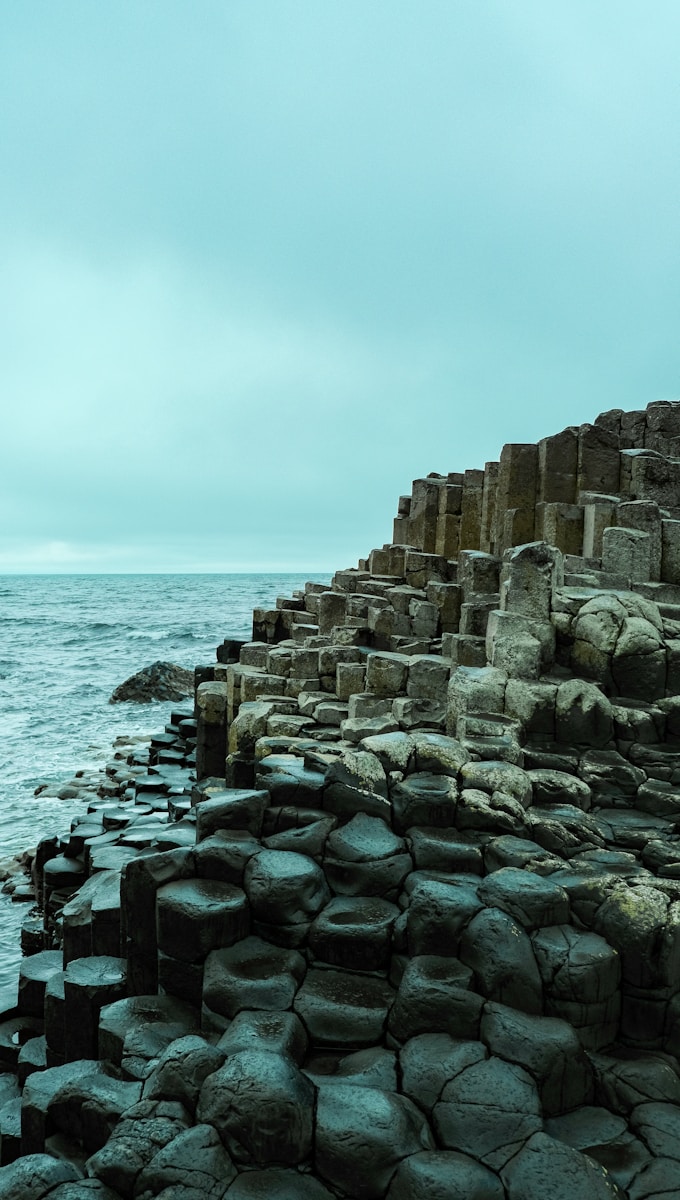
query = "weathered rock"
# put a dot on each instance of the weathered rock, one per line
(444, 1175)
(261, 1106)
(160, 681)
(361, 1136)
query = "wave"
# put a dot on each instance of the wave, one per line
(154, 635)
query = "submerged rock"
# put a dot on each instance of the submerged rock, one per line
(160, 681)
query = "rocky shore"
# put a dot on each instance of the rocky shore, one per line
(392, 912)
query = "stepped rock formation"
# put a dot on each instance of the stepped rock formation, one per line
(395, 912)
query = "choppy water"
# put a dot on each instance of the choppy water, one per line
(66, 641)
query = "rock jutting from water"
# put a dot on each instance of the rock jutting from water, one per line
(393, 913)
(160, 681)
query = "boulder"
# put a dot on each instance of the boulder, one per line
(160, 681)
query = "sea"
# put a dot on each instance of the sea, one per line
(66, 641)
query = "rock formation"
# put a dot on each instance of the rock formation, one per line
(394, 913)
(160, 681)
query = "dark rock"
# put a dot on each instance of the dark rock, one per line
(33, 1176)
(546, 1167)
(193, 1166)
(488, 1110)
(361, 1136)
(262, 1107)
(252, 974)
(144, 1130)
(160, 681)
(277, 1183)
(444, 1175)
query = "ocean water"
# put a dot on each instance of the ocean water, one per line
(66, 641)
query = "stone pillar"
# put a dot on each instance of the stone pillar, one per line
(448, 519)
(400, 527)
(471, 510)
(644, 515)
(598, 514)
(211, 730)
(557, 465)
(516, 496)
(489, 493)
(332, 610)
(561, 525)
(598, 460)
(140, 880)
(424, 512)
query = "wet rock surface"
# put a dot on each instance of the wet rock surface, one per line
(394, 912)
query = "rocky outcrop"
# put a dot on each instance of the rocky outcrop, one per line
(394, 912)
(160, 681)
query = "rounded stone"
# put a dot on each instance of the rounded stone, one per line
(262, 1107)
(285, 888)
(444, 1175)
(362, 1133)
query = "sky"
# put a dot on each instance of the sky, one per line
(264, 262)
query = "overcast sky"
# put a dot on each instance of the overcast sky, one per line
(263, 262)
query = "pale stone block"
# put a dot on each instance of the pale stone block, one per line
(254, 654)
(332, 609)
(424, 618)
(450, 499)
(516, 497)
(533, 705)
(448, 535)
(397, 556)
(504, 626)
(563, 526)
(474, 690)
(529, 575)
(598, 515)
(627, 552)
(421, 568)
(350, 678)
(644, 515)
(386, 673)
(478, 573)
(464, 650)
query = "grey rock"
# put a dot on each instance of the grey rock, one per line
(444, 1175)
(488, 1110)
(361, 1136)
(160, 681)
(262, 1107)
